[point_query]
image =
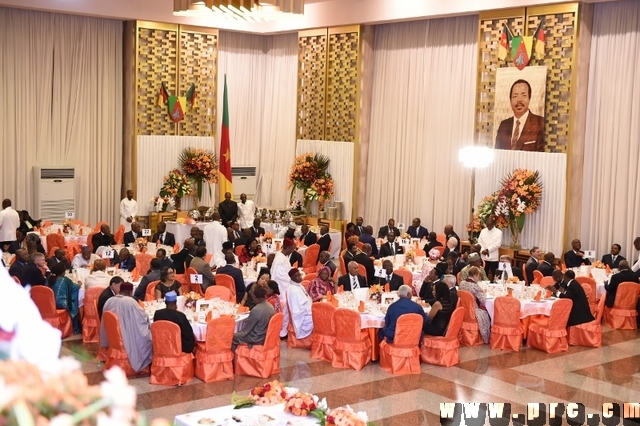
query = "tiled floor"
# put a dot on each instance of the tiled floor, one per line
(583, 375)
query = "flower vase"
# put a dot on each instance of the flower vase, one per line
(177, 201)
(198, 194)
(515, 226)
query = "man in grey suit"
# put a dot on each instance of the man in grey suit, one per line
(202, 267)
(255, 327)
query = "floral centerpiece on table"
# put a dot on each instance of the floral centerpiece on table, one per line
(309, 173)
(66, 226)
(191, 300)
(268, 237)
(513, 280)
(410, 256)
(353, 239)
(301, 404)
(598, 265)
(141, 243)
(199, 165)
(375, 291)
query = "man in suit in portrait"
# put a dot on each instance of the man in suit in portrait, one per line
(391, 226)
(416, 230)
(352, 279)
(391, 247)
(525, 130)
(571, 289)
(163, 237)
(613, 259)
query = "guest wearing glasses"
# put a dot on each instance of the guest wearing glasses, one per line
(167, 283)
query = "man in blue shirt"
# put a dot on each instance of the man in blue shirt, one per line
(404, 305)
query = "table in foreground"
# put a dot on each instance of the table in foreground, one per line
(262, 415)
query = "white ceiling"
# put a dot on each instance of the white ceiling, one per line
(318, 13)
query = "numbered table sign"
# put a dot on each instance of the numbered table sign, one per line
(146, 232)
(196, 279)
(401, 225)
(268, 247)
(590, 254)
(380, 272)
(404, 242)
(108, 254)
(69, 215)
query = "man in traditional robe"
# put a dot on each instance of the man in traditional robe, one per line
(215, 234)
(128, 210)
(280, 273)
(171, 313)
(254, 330)
(300, 305)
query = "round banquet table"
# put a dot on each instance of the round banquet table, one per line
(528, 310)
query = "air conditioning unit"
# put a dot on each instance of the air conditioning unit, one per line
(244, 181)
(54, 192)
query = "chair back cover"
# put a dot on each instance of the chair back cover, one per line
(219, 291)
(560, 314)
(119, 235)
(545, 281)
(506, 311)
(165, 336)
(238, 249)
(468, 302)
(98, 225)
(42, 296)
(311, 256)
(455, 323)
(228, 282)
(407, 276)
(273, 331)
(112, 327)
(322, 314)
(151, 291)
(220, 334)
(91, 295)
(310, 277)
(626, 296)
(347, 325)
(54, 241)
(408, 331)
(143, 263)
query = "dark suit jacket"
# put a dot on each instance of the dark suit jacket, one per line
(100, 239)
(546, 269)
(32, 275)
(345, 282)
(394, 284)
(228, 211)
(237, 278)
(324, 242)
(203, 269)
(458, 266)
(129, 238)
(296, 257)
(531, 137)
(385, 249)
(606, 259)
(186, 332)
(15, 246)
(256, 234)
(309, 238)
(331, 266)
(368, 239)
(129, 263)
(532, 265)
(614, 282)
(572, 260)
(396, 309)
(580, 311)
(179, 259)
(384, 231)
(169, 239)
(106, 294)
(54, 260)
(418, 233)
(359, 230)
(17, 270)
(365, 261)
(431, 244)
(199, 242)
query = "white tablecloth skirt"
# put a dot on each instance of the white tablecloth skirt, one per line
(527, 307)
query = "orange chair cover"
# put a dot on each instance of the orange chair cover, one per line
(442, 238)
(182, 279)
(42, 296)
(311, 258)
(292, 339)
(550, 335)
(591, 298)
(407, 276)
(363, 271)
(324, 333)
(116, 354)
(261, 360)
(54, 241)
(353, 346)
(214, 359)
(440, 249)
(343, 266)
(589, 333)
(443, 350)
(403, 355)
(537, 277)
(311, 276)
(119, 235)
(169, 365)
(228, 282)
(545, 281)
(98, 225)
(42, 234)
(102, 354)
(506, 331)
(150, 294)
(387, 288)
(623, 315)
(89, 238)
(470, 331)
(91, 321)
(194, 286)
(72, 249)
(143, 263)
(220, 292)
(238, 249)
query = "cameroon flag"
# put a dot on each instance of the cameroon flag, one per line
(225, 184)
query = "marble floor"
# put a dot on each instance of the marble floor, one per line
(582, 375)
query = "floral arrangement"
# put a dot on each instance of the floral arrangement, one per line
(409, 255)
(162, 203)
(199, 165)
(141, 242)
(301, 404)
(346, 416)
(513, 280)
(375, 291)
(176, 184)
(294, 204)
(268, 237)
(270, 393)
(309, 173)
(598, 265)
(353, 239)
(405, 236)
(66, 226)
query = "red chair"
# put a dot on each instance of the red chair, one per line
(227, 281)
(363, 271)
(470, 331)
(443, 350)
(220, 292)
(150, 294)
(537, 277)
(89, 240)
(407, 276)
(99, 225)
(591, 292)
(72, 249)
(119, 235)
(403, 355)
(54, 241)
(353, 346)
(169, 365)
(589, 333)
(261, 360)
(91, 320)
(343, 266)
(623, 314)
(116, 354)
(506, 331)
(311, 258)
(143, 263)
(546, 281)
(193, 286)
(292, 339)
(238, 249)
(43, 297)
(214, 359)
(549, 334)
(324, 332)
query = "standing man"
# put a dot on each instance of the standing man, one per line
(280, 273)
(525, 130)
(490, 240)
(215, 234)
(246, 212)
(228, 209)
(359, 228)
(532, 263)
(307, 237)
(9, 223)
(171, 314)
(325, 239)
(128, 210)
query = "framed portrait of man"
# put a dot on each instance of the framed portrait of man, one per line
(519, 108)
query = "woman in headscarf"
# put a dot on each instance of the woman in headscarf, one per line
(263, 279)
(321, 284)
(249, 252)
(430, 263)
(65, 292)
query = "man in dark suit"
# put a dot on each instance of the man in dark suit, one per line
(580, 311)
(163, 237)
(256, 229)
(306, 236)
(574, 258)
(325, 260)
(184, 256)
(547, 266)
(359, 227)
(59, 256)
(18, 243)
(391, 226)
(449, 232)
(235, 273)
(34, 271)
(456, 262)
(20, 264)
(391, 247)
(625, 275)
(296, 257)
(325, 239)
(198, 236)
(432, 242)
(228, 209)
(125, 260)
(362, 259)
(171, 313)
(394, 280)
(102, 238)
(367, 238)
(525, 130)
(131, 236)
(532, 263)
(352, 279)
(416, 230)
(613, 259)
(404, 305)
(109, 292)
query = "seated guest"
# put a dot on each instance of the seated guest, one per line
(171, 313)
(254, 329)
(572, 289)
(625, 275)
(450, 281)
(394, 280)
(547, 266)
(325, 239)
(307, 237)
(470, 284)
(295, 258)
(558, 278)
(162, 237)
(234, 234)
(273, 295)
(151, 276)
(391, 227)
(450, 233)
(367, 238)
(391, 247)
(84, 258)
(452, 245)
(324, 259)
(135, 233)
(441, 310)
(350, 231)
(257, 231)
(59, 256)
(432, 242)
(98, 277)
(234, 273)
(33, 244)
(19, 265)
(263, 279)
(352, 280)
(27, 223)
(18, 243)
(457, 263)
(161, 255)
(65, 292)
(299, 306)
(416, 230)
(125, 260)
(184, 256)
(426, 291)
(474, 248)
(321, 285)
(249, 252)
(574, 257)
(134, 327)
(109, 292)
(474, 261)
(102, 238)
(404, 305)
(515, 271)
(35, 271)
(219, 260)
(198, 236)
(167, 283)
(202, 267)
(532, 263)
(354, 254)
(613, 259)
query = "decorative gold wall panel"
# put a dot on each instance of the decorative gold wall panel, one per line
(312, 75)
(342, 87)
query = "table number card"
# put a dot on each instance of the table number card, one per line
(69, 215)
(404, 242)
(268, 247)
(380, 272)
(108, 253)
(590, 254)
(146, 232)
(400, 225)
(504, 266)
(196, 278)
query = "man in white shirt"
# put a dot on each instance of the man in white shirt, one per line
(218, 259)
(215, 234)
(128, 210)
(300, 305)
(9, 223)
(246, 212)
(84, 258)
(280, 273)
(490, 240)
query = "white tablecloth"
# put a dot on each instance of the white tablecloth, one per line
(527, 307)
(182, 231)
(200, 328)
(80, 239)
(246, 416)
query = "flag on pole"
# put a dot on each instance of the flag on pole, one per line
(505, 40)
(541, 40)
(225, 184)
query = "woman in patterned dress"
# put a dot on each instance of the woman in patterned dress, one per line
(471, 285)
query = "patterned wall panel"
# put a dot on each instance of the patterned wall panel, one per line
(157, 53)
(198, 65)
(312, 73)
(342, 87)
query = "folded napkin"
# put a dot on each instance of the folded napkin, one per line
(141, 303)
(242, 309)
(42, 232)
(387, 288)
(548, 294)
(509, 292)
(538, 295)
(59, 231)
(361, 306)
(329, 296)
(81, 231)
(341, 289)
(335, 302)
(135, 275)
(607, 269)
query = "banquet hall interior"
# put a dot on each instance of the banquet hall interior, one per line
(392, 92)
